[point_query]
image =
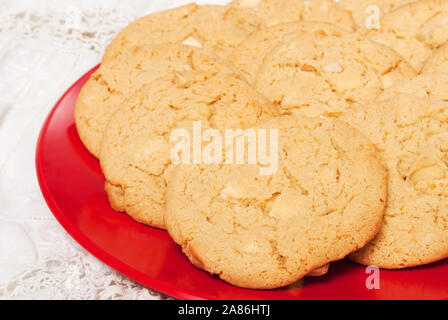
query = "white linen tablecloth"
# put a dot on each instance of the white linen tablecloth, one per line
(45, 46)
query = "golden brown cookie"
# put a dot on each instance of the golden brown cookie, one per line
(117, 79)
(329, 75)
(283, 11)
(438, 61)
(414, 30)
(319, 271)
(218, 29)
(248, 56)
(136, 150)
(266, 231)
(411, 136)
(431, 86)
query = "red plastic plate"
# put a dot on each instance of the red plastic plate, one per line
(72, 184)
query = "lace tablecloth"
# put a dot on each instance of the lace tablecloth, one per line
(45, 46)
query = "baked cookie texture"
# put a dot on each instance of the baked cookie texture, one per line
(431, 86)
(411, 136)
(135, 154)
(118, 79)
(438, 61)
(358, 8)
(282, 11)
(218, 29)
(329, 75)
(325, 200)
(319, 271)
(414, 30)
(249, 55)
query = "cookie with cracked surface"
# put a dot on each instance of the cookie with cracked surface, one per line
(414, 30)
(216, 28)
(283, 11)
(437, 61)
(135, 154)
(249, 55)
(329, 75)
(266, 231)
(431, 86)
(359, 8)
(118, 79)
(411, 136)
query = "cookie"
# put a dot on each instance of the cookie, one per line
(437, 61)
(319, 271)
(329, 75)
(283, 11)
(215, 28)
(431, 86)
(119, 78)
(360, 8)
(249, 55)
(267, 231)
(411, 136)
(135, 154)
(414, 30)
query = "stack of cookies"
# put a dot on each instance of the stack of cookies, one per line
(354, 118)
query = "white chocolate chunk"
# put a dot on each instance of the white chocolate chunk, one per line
(184, 67)
(349, 82)
(230, 192)
(280, 208)
(272, 23)
(192, 41)
(251, 248)
(332, 67)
